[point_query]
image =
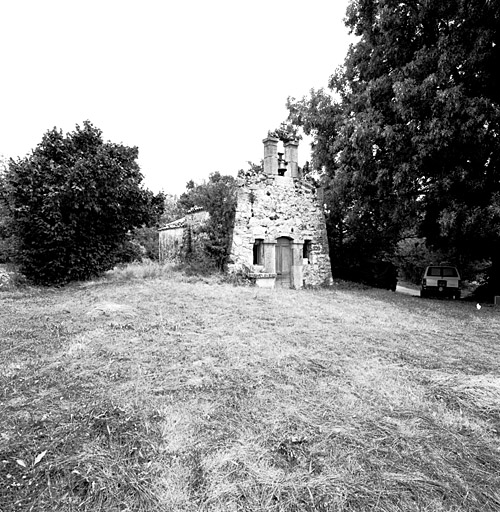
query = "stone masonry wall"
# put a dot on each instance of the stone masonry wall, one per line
(271, 206)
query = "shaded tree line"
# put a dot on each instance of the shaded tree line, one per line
(408, 135)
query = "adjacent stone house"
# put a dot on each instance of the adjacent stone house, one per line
(279, 233)
(180, 237)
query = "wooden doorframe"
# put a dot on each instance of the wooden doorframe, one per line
(284, 261)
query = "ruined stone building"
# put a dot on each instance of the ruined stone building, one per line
(279, 233)
(279, 230)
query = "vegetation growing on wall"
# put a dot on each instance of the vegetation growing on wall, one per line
(217, 197)
(287, 132)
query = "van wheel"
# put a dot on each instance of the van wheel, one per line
(423, 294)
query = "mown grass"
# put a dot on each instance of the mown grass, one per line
(150, 390)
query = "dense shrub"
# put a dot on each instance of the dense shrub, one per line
(73, 201)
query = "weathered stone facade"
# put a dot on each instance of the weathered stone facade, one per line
(279, 235)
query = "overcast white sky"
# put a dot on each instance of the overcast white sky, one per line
(195, 85)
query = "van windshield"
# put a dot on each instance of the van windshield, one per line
(442, 272)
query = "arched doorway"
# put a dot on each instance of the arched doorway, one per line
(283, 262)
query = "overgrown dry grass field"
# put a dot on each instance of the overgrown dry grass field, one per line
(153, 391)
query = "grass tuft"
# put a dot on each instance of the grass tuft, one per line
(146, 269)
(11, 278)
(477, 394)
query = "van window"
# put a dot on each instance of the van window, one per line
(442, 272)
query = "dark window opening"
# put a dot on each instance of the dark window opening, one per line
(306, 250)
(258, 252)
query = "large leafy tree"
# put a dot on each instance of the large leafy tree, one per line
(73, 200)
(410, 135)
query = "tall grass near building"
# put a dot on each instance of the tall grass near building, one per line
(152, 390)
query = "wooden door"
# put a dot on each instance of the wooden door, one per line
(283, 262)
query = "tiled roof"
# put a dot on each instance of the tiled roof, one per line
(179, 223)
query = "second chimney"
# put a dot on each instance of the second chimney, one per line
(271, 155)
(292, 157)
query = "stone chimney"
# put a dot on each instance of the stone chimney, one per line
(271, 155)
(292, 157)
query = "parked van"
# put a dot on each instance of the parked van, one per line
(441, 281)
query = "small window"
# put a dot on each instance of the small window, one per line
(306, 251)
(258, 252)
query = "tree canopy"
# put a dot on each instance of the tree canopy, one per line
(409, 136)
(7, 243)
(73, 200)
